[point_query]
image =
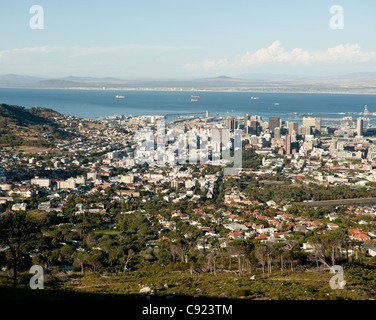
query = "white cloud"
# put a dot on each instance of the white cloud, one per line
(276, 53)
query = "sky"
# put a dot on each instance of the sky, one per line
(180, 39)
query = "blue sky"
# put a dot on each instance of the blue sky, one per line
(186, 39)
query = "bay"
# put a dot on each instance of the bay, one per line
(103, 103)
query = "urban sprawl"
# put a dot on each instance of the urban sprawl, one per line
(298, 181)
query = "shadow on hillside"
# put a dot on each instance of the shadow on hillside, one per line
(72, 304)
(26, 294)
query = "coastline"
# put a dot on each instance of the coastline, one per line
(225, 89)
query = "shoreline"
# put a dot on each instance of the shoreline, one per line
(172, 89)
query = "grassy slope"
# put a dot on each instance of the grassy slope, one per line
(291, 286)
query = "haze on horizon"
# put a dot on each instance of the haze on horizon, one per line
(168, 39)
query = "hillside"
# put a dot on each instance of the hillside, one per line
(28, 127)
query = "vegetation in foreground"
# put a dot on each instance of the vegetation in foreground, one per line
(159, 283)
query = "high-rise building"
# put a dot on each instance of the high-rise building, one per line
(304, 130)
(277, 133)
(274, 122)
(207, 114)
(312, 122)
(359, 127)
(293, 126)
(247, 118)
(287, 144)
(230, 123)
(254, 126)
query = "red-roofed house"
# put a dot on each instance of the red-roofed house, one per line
(354, 230)
(316, 223)
(235, 235)
(332, 226)
(262, 237)
(363, 237)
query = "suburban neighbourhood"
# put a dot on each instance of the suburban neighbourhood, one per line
(303, 198)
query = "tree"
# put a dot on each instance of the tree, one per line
(290, 252)
(260, 253)
(335, 243)
(270, 250)
(318, 251)
(81, 258)
(281, 249)
(130, 256)
(16, 231)
(238, 248)
(178, 249)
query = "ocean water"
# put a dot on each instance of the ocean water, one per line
(102, 103)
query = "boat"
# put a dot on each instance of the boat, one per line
(195, 96)
(276, 104)
(119, 97)
(194, 100)
(255, 98)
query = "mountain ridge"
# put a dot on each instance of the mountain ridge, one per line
(361, 82)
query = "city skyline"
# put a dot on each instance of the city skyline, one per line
(166, 39)
(187, 153)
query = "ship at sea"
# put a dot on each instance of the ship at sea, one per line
(255, 98)
(119, 97)
(194, 98)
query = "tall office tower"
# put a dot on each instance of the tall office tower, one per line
(247, 118)
(207, 114)
(256, 118)
(293, 126)
(230, 123)
(274, 122)
(359, 126)
(333, 145)
(277, 133)
(254, 126)
(309, 121)
(313, 122)
(287, 144)
(318, 124)
(305, 130)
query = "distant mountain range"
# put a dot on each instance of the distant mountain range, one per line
(362, 82)
(272, 76)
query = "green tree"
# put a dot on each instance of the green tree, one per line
(17, 230)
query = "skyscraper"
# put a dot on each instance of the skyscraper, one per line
(313, 122)
(287, 144)
(293, 126)
(277, 133)
(274, 122)
(230, 123)
(254, 127)
(246, 119)
(304, 130)
(359, 126)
